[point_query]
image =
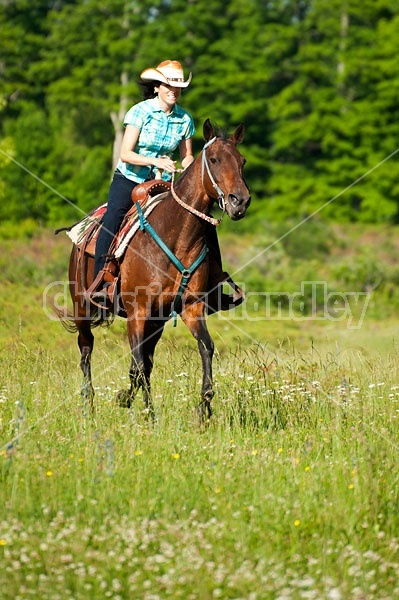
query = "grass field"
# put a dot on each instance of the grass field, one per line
(292, 492)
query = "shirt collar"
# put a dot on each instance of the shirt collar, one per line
(176, 110)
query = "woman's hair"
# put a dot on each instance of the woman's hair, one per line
(148, 89)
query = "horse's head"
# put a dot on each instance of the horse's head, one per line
(222, 171)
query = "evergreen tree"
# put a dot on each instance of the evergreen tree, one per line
(336, 119)
(314, 81)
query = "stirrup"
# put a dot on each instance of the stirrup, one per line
(231, 301)
(220, 301)
(99, 298)
(97, 292)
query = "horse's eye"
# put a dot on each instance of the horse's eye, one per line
(213, 160)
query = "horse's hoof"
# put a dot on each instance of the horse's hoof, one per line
(204, 413)
(87, 391)
(124, 399)
(150, 415)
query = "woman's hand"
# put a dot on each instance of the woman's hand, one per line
(165, 163)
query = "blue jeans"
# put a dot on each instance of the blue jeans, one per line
(119, 202)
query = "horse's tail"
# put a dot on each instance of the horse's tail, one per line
(98, 318)
(67, 320)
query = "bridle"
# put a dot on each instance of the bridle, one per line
(205, 164)
(220, 193)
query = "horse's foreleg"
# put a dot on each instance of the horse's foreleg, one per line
(193, 317)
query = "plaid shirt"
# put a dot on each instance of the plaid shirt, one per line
(160, 134)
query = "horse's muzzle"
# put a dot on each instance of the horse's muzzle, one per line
(236, 206)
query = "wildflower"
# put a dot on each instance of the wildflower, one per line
(138, 453)
(49, 473)
(254, 452)
(3, 542)
(350, 486)
(280, 450)
(176, 455)
(297, 522)
(307, 468)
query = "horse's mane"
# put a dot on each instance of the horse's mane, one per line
(219, 132)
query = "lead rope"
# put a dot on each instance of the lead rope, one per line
(191, 209)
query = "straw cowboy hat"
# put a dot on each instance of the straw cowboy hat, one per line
(169, 72)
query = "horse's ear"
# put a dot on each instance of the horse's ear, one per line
(208, 130)
(238, 135)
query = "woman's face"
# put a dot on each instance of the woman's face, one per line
(168, 94)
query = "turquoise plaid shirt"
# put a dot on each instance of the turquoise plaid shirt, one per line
(160, 134)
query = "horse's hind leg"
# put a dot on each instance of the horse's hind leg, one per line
(153, 332)
(86, 343)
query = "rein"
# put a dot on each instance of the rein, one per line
(221, 200)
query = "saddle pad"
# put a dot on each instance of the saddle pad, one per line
(128, 228)
(77, 232)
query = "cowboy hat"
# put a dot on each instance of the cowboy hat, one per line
(169, 72)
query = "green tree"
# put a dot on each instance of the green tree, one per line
(336, 119)
(313, 80)
(24, 135)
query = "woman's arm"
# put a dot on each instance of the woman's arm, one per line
(128, 155)
(186, 152)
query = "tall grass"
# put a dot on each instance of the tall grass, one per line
(292, 491)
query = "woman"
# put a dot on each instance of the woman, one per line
(154, 128)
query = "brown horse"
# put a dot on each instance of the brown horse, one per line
(152, 286)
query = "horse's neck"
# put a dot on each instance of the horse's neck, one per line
(182, 228)
(190, 190)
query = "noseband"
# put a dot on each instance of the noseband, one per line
(221, 200)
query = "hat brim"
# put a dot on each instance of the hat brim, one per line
(155, 75)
